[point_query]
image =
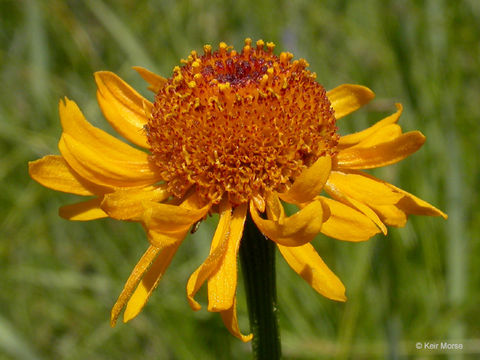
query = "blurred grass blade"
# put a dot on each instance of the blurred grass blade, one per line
(349, 323)
(11, 342)
(457, 243)
(121, 33)
(39, 58)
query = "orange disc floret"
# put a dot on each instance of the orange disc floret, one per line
(239, 124)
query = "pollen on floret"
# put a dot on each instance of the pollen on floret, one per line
(224, 86)
(260, 44)
(207, 49)
(270, 46)
(239, 124)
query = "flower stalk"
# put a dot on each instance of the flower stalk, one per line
(257, 256)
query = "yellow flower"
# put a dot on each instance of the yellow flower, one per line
(231, 133)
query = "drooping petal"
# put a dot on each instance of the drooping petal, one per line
(218, 250)
(274, 208)
(345, 223)
(53, 172)
(98, 156)
(149, 282)
(170, 218)
(347, 98)
(411, 204)
(294, 230)
(166, 238)
(83, 211)
(222, 285)
(309, 183)
(230, 320)
(156, 81)
(306, 262)
(383, 154)
(128, 203)
(364, 209)
(123, 107)
(352, 139)
(363, 188)
(259, 202)
(389, 208)
(390, 214)
(167, 224)
(132, 282)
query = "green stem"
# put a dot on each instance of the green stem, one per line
(257, 256)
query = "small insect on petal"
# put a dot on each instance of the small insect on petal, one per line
(146, 129)
(195, 227)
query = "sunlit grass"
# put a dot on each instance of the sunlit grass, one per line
(59, 279)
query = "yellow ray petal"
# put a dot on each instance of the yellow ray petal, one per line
(363, 188)
(383, 154)
(294, 230)
(411, 204)
(222, 285)
(364, 209)
(345, 223)
(218, 249)
(53, 172)
(259, 202)
(387, 133)
(132, 282)
(156, 81)
(166, 238)
(83, 211)
(105, 170)
(166, 224)
(274, 208)
(127, 204)
(347, 98)
(309, 183)
(149, 282)
(352, 139)
(306, 262)
(390, 215)
(123, 107)
(193, 202)
(98, 156)
(230, 320)
(407, 203)
(171, 218)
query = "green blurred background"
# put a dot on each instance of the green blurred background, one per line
(59, 279)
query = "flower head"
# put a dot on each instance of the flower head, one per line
(196, 138)
(231, 133)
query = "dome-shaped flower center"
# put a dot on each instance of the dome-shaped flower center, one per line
(239, 124)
